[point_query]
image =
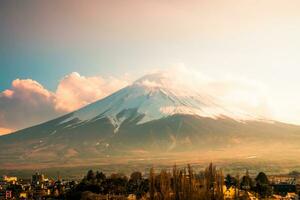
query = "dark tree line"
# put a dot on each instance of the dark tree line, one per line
(115, 184)
(174, 184)
(260, 186)
(185, 184)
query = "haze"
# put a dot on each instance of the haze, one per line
(53, 51)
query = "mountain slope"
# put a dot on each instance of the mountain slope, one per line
(149, 119)
(154, 97)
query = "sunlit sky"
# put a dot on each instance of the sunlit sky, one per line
(45, 41)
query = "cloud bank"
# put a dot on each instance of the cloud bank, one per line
(27, 102)
(243, 97)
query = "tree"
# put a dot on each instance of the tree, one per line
(136, 176)
(213, 183)
(262, 185)
(246, 183)
(118, 182)
(100, 177)
(137, 185)
(90, 175)
(176, 183)
(230, 181)
(165, 184)
(152, 183)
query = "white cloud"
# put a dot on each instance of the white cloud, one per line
(27, 102)
(239, 95)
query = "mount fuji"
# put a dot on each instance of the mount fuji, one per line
(151, 120)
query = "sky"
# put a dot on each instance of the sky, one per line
(50, 49)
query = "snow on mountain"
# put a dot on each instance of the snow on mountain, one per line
(156, 115)
(154, 96)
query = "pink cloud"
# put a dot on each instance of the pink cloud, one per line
(4, 131)
(28, 103)
(75, 91)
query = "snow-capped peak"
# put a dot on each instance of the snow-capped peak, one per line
(153, 97)
(153, 80)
